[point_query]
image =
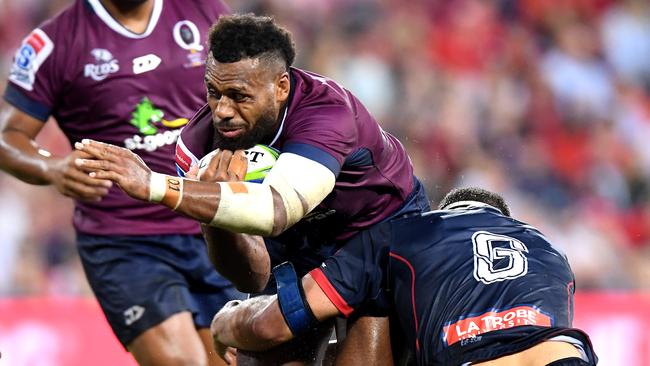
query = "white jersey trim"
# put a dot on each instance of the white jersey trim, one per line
(277, 135)
(105, 16)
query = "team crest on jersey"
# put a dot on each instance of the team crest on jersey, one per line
(147, 119)
(36, 47)
(188, 37)
(104, 65)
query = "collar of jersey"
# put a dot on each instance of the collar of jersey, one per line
(468, 205)
(106, 17)
(286, 108)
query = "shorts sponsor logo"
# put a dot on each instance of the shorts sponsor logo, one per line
(36, 47)
(494, 320)
(103, 66)
(133, 314)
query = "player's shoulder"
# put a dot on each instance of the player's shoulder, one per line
(312, 89)
(60, 26)
(209, 9)
(318, 101)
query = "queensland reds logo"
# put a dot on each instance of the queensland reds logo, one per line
(187, 36)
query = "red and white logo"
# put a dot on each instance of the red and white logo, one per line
(494, 320)
(36, 47)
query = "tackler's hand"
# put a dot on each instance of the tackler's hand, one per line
(116, 164)
(220, 332)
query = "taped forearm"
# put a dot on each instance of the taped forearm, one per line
(234, 206)
(292, 189)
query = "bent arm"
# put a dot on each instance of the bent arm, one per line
(19, 153)
(241, 258)
(294, 187)
(257, 324)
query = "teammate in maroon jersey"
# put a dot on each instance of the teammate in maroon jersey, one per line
(128, 73)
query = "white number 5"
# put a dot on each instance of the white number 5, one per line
(485, 256)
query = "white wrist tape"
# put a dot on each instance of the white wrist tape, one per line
(166, 189)
(157, 187)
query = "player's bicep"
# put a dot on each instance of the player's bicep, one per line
(301, 183)
(14, 120)
(321, 305)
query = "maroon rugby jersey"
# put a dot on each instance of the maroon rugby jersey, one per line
(101, 81)
(326, 123)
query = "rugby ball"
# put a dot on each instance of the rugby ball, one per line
(261, 159)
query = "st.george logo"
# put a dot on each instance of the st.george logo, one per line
(104, 65)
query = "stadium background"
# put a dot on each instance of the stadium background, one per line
(544, 101)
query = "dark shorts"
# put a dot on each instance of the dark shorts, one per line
(140, 281)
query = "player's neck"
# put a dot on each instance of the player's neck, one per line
(134, 16)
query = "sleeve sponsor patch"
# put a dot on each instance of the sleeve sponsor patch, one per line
(36, 47)
(184, 157)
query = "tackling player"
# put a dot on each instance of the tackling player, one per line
(469, 284)
(338, 171)
(128, 72)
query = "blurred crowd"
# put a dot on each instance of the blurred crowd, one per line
(544, 101)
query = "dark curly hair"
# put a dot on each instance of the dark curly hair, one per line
(234, 37)
(475, 194)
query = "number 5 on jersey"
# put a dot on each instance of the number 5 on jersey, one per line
(486, 255)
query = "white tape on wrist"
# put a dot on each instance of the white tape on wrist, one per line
(157, 187)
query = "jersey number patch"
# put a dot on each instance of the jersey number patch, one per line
(498, 257)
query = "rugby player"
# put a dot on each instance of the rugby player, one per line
(338, 172)
(130, 73)
(468, 283)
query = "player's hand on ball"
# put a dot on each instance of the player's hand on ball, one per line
(116, 164)
(73, 182)
(225, 166)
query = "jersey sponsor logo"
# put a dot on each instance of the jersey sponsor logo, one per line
(498, 257)
(133, 314)
(145, 63)
(187, 36)
(103, 66)
(36, 47)
(147, 119)
(183, 161)
(466, 328)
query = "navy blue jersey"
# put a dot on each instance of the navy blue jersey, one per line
(466, 286)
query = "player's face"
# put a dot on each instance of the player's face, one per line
(246, 98)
